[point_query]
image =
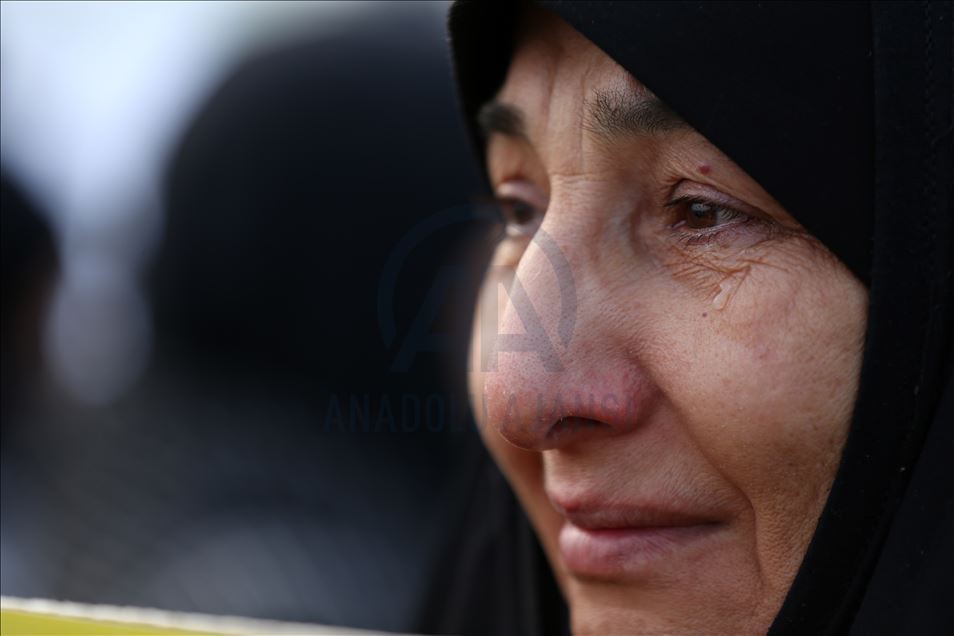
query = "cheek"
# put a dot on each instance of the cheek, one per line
(765, 385)
(771, 375)
(770, 348)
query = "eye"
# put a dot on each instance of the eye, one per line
(698, 219)
(520, 217)
(698, 214)
(521, 206)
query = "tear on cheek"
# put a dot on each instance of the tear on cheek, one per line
(727, 288)
(712, 280)
(715, 274)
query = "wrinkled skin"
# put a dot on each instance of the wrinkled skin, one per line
(712, 365)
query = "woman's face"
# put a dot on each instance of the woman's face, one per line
(664, 362)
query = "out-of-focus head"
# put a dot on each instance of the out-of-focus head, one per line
(30, 265)
(664, 361)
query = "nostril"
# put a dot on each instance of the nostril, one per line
(566, 426)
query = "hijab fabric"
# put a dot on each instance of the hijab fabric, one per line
(843, 112)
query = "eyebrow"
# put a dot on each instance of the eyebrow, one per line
(614, 113)
(499, 118)
(609, 114)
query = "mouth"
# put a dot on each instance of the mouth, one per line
(614, 542)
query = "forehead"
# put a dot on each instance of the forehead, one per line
(548, 51)
(556, 75)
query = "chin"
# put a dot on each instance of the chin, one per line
(689, 579)
(598, 608)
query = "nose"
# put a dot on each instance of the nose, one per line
(546, 386)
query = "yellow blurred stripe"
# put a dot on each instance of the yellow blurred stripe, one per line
(19, 623)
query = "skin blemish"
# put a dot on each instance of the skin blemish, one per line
(705, 169)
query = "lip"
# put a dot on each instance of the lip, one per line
(612, 542)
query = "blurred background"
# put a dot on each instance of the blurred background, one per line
(238, 267)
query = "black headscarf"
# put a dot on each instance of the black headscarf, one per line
(843, 112)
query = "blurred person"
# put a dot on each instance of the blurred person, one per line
(744, 212)
(30, 267)
(278, 231)
(29, 270)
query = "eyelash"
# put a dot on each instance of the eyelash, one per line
(704, 236)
